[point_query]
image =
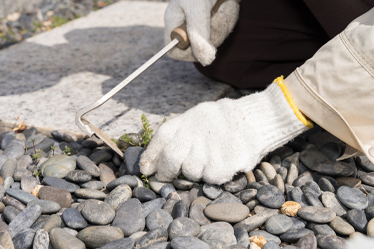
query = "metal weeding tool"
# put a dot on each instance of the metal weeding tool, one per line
(179, 38)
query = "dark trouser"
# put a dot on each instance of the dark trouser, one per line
(271, 38)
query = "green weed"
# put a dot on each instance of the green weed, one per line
(58, 21)
(146, 181)
(147, 131)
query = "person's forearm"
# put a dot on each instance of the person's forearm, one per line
(335, 15)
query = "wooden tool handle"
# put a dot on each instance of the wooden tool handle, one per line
(180, 33)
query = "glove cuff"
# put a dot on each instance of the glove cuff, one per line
(273, 116)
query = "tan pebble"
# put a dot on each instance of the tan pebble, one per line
(254, 246)
(370, 228)
(250, 176)
(290, 208)
(50, 13)
(36, 189)
(13, 16)
(1, 180)
(268, 170)
(6, 240)
(357, 235)
(258, 241)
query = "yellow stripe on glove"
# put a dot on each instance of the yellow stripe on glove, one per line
(296, 110)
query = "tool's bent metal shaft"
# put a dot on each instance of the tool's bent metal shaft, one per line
(179, 38)
(115, 90)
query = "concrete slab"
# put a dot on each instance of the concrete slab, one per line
(49, 77)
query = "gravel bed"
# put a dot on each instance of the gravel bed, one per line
(83, 195)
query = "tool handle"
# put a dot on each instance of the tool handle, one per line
(180, 33)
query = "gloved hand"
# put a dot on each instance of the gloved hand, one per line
(215, 140)
(205, 32)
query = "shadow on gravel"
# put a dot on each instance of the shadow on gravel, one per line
(116, 52)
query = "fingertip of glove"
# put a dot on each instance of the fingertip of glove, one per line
(162, 178)
(220, 175)
(146, 167)
(207, 60)
(202, 49)
(215, 180)
(208, 56)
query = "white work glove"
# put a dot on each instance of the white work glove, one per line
(215, 140)
(205, 32)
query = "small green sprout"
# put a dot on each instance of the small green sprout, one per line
(58, 21)
(147, 131)
(146, 181)
(36, 173)
(67, 151)
(33, 145)
(127, 139)
(36, 157)
(37, 24)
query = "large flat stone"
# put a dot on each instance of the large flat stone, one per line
(49, 77)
